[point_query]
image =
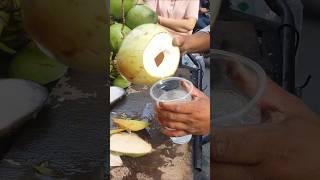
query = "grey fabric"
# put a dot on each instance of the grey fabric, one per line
(206, 29)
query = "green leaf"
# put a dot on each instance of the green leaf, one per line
(44, 170)
(4, 20)
(6, 49)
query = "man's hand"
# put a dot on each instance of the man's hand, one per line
(285, 147)
(192, 117)
(180, 41)
(195, 43)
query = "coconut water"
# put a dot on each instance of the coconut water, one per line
(228, 102)
(177, 95)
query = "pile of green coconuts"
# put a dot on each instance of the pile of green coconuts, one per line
(20, 57)
(125, 16)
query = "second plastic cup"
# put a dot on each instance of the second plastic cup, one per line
(173, 90)
(238, 85)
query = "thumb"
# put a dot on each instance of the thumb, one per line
(178, 41)
(278, 99)
(274, 98)
(194, 91)
(197, 93)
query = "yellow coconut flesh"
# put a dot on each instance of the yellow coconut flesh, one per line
(74, 32)
(147, 55)
(130, 125)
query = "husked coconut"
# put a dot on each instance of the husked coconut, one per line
(147, 55)
(130, 125)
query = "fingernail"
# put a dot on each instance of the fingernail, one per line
(161, 104)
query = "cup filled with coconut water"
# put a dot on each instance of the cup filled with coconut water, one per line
(238, 85)
(173, 90)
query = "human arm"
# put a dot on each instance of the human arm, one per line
(179, 25)
(284, 146)
(195, 43)
(187, 18)
(192, 117)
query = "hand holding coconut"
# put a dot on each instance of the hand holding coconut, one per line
(192, 117)
(195, 43)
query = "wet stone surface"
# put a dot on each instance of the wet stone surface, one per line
(168, 161)
(69, 133)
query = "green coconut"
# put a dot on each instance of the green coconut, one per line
(111, 21)
(129, 144)
(117, 34)
(75, 32)
(113, 72)
(116, 7)
(140, 14)
(147, 55)
(32, 64)
(120, 82)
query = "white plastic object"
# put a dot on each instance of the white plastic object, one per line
(232, 111)
(171, 90)
(116, 93)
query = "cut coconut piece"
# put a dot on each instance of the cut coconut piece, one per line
(129, 144)
(147, 55)
(130, 125)
(115, 131)
(115, 160)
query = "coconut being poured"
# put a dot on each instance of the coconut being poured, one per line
(147, 55)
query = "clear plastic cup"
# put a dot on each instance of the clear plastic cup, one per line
(238, 84)
(173, 90)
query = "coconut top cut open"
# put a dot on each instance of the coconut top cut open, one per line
(160, 56)
(147, 55)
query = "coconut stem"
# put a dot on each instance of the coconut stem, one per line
(123, 17)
